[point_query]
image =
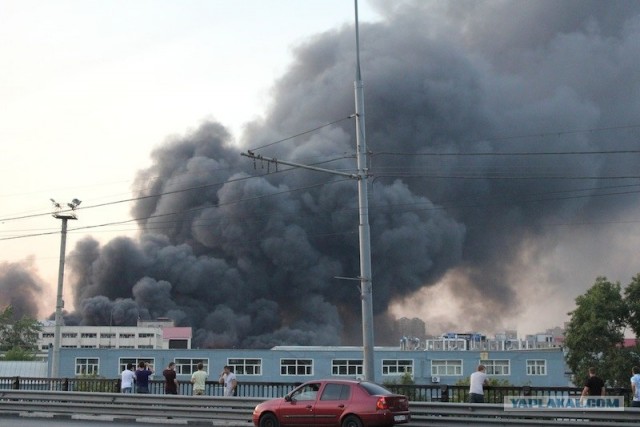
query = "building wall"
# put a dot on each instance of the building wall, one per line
(105, 337)
(306, 363)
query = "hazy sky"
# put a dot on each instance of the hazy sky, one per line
(110, 100)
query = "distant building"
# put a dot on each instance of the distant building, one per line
(157, 334)
(534, 367)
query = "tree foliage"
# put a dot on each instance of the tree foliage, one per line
(18, 337)
(595, 333)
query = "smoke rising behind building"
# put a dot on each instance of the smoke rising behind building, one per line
(248, 254)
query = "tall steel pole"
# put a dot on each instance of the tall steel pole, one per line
(55, 363)
(366, 286)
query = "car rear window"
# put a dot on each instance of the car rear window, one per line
(376, 389)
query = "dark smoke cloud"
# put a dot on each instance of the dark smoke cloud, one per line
(20, 288)
(250, 261)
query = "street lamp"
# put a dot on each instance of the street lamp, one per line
(64, 215)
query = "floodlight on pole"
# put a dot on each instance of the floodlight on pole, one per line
(64, 215)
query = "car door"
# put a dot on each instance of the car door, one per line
(299, 407)
(333, 401)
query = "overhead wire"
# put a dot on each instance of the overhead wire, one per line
(403, 174)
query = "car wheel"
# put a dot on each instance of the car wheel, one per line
(269, 420)
(352, 421)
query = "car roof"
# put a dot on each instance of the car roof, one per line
(336, 381)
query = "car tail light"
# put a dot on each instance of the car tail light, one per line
(382, 403)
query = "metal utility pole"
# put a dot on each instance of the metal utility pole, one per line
(64, 216)
(366, 287)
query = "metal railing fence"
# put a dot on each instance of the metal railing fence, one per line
(415, 393)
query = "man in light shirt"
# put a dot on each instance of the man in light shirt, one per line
(228, 378)
(198, 379)
(477, 382)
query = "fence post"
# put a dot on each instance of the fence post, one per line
(16, 383)
(65, 384)
(444, 393)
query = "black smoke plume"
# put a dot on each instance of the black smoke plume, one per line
(248, 253)
(21, 288)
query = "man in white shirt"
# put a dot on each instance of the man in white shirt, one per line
(228, 378)
(477, 382)
(635, 387)
(127, 377)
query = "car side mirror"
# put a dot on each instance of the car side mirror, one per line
(287, 398)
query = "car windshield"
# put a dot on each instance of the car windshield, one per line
(376, 389)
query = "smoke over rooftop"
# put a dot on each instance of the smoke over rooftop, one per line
(452, 91)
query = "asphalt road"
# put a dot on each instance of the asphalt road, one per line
(36, 421)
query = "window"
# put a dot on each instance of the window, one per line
(307, 392)
(108, 335)
(146, 335)
(336, 392)
(397, 367)
(446, 367)
(296, 366)
(69, 335)
(47, 335)
(496, 367)
(145, 346)
(87, 346)
(88, 335)
(189, 366)
(127, 335)
(347, 367)
(87, 366)
(246, 366)
(536, 367)
(135, 360)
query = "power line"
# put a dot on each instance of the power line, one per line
(303, 133)
(165, 193)
(497, 154)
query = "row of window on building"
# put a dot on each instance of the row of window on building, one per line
(339, 367)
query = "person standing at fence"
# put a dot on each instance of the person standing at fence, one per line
(143, 373)
(170, 380)
(127, 378)
(477, 382)
(594, 386)
(635, 386)
(198, 379)
(228, 378)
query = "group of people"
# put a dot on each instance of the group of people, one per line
(140, 378)
(593, 386)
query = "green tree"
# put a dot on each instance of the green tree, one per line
(17, 353)
(18, 338)
(595, 334)
(632, 299)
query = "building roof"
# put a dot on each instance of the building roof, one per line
(23, 369)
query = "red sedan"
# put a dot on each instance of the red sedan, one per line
(340, 403)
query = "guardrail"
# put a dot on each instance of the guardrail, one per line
(239, 410)
(415, 392)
